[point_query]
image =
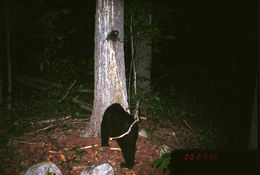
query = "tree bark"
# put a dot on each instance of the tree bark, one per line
(1, 87)
(143, 55)
(8, 57)
(110, 82)
(252, 145)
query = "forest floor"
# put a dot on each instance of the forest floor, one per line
(34, 146)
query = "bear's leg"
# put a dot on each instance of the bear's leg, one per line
(128, 151)
(104, 136)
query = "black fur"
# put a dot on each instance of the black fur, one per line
(113, 36)
(116, 121)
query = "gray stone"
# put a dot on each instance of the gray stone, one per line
(101, 169)
(143, 133)
(165, 150)
(42, 168)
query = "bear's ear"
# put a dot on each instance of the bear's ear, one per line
(136, 110)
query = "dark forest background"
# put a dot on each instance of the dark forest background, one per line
(209, 65)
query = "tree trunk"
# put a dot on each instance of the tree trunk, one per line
(252, 145)
(143, 54)
(110, 83)
(1, 89)
(8, 57)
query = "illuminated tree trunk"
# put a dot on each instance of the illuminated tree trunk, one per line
(110, 83)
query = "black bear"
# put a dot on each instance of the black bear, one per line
(116, 121)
